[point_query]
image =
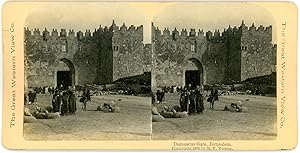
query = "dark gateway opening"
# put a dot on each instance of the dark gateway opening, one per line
(64, 78)
(192, 77)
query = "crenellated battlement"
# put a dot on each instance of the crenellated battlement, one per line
(185, 33)
(126, 29)
(235, 31)
(84, 34)
(55, 33)
(260, 28)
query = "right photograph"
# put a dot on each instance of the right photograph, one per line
(213, 73)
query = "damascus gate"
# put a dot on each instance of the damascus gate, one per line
(174, 57)
(182, 57)
(68, 58)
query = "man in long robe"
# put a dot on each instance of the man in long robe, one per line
(72, 101)
(192, 104)
(199, 99)
(184, 98)
(65, 103)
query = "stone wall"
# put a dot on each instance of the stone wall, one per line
(111, 53)
(233, 44)
(130, 56)
(86, 58)
(258, 52)
(45, 50)
(215, 61)
(173, 51)
(222, 56)
(103, 39)
(100, 57)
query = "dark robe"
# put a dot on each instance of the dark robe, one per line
(32, 96)
(72, 102)
(192, 106)
(199, 101)
(65, 103)
(159, 96)
(88, 94)
(56, 102)
(184, 101)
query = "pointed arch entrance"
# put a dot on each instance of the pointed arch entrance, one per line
(64, 73)
(194, 73)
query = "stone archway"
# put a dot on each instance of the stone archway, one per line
(64, 73)
(194, 73)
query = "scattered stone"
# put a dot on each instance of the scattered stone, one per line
(108, 107)
(49, 108)
(181, 114)
(174, 114)
(157, 118)
(99, 108)
(154, 111)
(229, 108)
(52, 115)
(236, 107)
(111, 103)
(27, 112)
(39, 115)
(244, 109)
(29, 119)
(166, 114)
(174, 108)
(116, 110)
(104, 109)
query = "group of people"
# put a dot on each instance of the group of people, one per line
(44, 90)
(64, 100)
(191, 100)
(31, 97)
(172, 89)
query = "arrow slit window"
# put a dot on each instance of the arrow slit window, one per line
(63, 48)
(193, 48)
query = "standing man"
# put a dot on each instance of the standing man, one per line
(199, 99)
(152, 97)
(30, 97)
(72, 100)
(184, 100)
(188, 91)
(88, 94)
(85, 96)
(192, 96)
(158, 96)
(214, 96)
(65, 103)
(56, 101)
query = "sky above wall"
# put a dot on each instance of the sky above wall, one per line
(206, 16)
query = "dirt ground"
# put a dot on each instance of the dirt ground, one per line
(132, 123)
(259, 123)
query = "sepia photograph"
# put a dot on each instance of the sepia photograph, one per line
(214, 72)
(150, 75)
(87, 73)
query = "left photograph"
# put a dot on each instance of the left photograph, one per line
(87, 72)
